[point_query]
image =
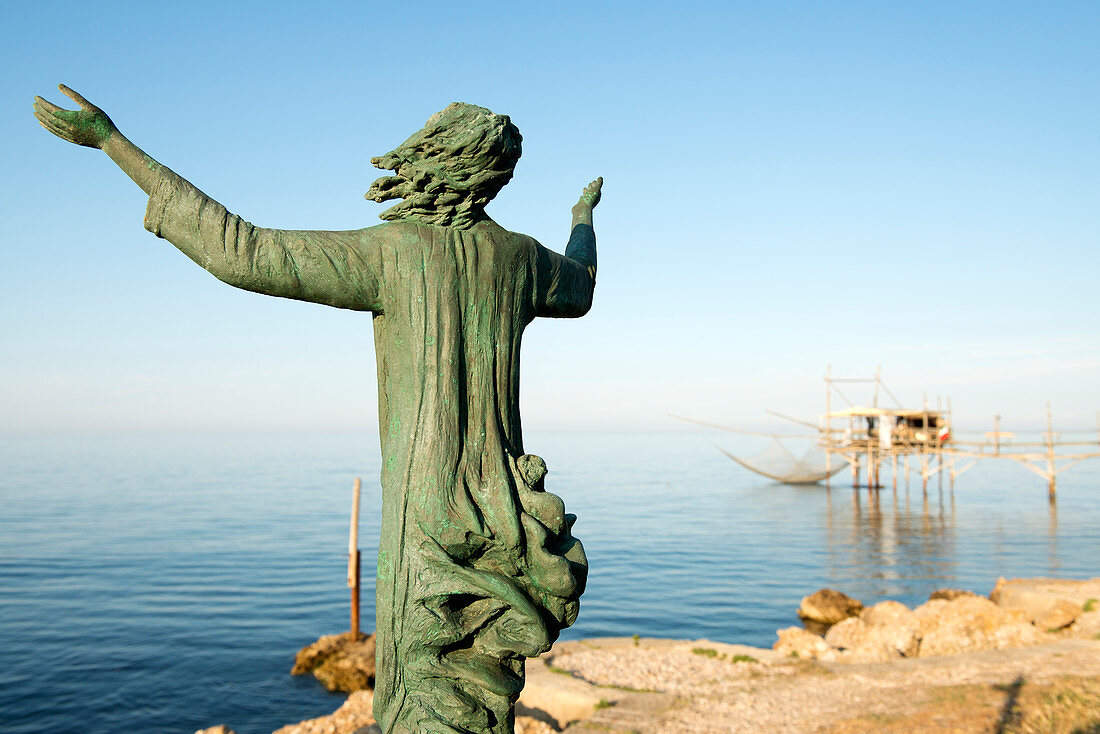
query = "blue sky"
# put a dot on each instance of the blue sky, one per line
(788, 185)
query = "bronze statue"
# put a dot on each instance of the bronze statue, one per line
(477, 567)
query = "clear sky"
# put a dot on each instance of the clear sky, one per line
(788, 185)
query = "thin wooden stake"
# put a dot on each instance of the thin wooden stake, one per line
(1052, 472)
(353, 559)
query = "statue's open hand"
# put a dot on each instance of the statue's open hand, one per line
(88, 126)
(590, 197)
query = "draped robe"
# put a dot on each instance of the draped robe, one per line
(477, 567)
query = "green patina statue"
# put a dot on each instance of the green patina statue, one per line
(477, 566)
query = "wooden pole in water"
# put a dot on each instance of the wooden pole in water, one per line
(1052, 473)
(829, 426)
(950, 427)
(939, 446)
(925, 443)
(353, 559)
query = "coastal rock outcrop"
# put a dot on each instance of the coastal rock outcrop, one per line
(1086, 626)
(828, 606)
(355, 716)
(1018, 613)
(1037, 596)
(884, 631)
(970, 623)
(1059, 615)
(949, 594)
(799, 643)
(338, 662)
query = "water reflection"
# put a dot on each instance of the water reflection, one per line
(892, 543)
(1052, 540)
(896, 544)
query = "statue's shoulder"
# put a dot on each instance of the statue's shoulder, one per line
(410, 232)
(499, 234)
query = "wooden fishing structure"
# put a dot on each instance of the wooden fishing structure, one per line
(354, 574)
(864, 437)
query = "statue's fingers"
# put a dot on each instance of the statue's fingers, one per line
(75, 96)
(45, 104)
(57, 114)
(57, 127)
(47, 118)
(52, 129)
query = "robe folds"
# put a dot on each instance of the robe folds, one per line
(477, 566)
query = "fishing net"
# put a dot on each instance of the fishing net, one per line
(778, 463)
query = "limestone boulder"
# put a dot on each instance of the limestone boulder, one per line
(828, 606)
(1086, 626)
(858, 642)
(1037, 596)
(847, 633)
(1018, 634)
(949, 594)
(888, 613)
(1058, 615)
(355, 716)
(797, 642)
(886, 631)
(531, 725)
(895, 625)
(339, 662)
(964, 624)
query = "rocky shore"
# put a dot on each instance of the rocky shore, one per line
(1016, 613)
(1025, 659)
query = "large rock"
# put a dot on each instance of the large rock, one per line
(895, 625)
(1058, 615)
(1018, 634)
(1037, 596)
(892, 613)
(886, 631)
(858, 642)
(1086, 626)
(797, 642)
(949, 594)
(968, 623)
(828, 606)
(355, 716)
(338, 662)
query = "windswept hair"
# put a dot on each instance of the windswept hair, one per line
(449, 170)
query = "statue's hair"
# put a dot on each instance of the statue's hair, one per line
(449, 170)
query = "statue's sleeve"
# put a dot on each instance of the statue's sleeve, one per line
(564, 283)
(333, 268)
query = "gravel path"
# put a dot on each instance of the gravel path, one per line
(714, 694)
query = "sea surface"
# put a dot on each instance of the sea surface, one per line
(163, 584)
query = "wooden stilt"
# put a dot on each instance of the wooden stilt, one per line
(353, 559)
(1052, 472)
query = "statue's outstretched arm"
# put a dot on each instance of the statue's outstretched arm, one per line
(91, 127)
(565, 284)
(334, 268)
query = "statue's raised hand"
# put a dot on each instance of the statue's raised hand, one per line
(88, 126)
(590, 197)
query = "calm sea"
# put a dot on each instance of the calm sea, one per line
(163, 584)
